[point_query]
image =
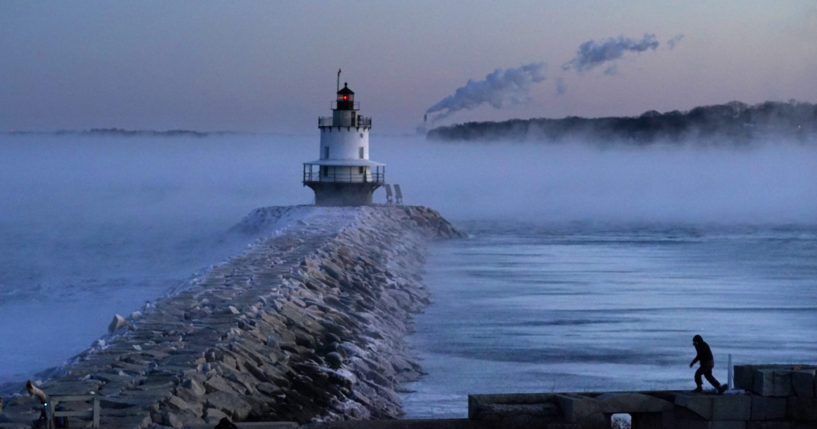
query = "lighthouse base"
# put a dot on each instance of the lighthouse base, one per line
(343, 194)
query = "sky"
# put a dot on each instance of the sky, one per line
(270, 66)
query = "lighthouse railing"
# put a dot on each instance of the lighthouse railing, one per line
(328, 121)
(378, 176)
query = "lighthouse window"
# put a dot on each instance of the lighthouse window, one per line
(360, 152)
(325, 153)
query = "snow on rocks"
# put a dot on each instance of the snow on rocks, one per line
(306, 325)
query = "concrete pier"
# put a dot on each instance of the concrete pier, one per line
(766, 397)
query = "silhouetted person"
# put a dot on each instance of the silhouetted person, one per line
(707, 364)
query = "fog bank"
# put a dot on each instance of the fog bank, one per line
(95, 226)
(55, 185)
(765, 182)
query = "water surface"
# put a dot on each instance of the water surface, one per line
(530, 307)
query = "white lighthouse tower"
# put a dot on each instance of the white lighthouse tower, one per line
(344, 175)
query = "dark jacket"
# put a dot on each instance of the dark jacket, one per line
(704, 353)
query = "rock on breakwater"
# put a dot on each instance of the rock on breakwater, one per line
(306, 325)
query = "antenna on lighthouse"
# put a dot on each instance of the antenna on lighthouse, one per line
(338, 84)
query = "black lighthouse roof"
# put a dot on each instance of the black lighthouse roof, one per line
(345, 90)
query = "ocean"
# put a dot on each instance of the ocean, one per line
(587, 266)
(531, 307)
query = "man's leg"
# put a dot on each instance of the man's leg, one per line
(711, 378)
(698, 381)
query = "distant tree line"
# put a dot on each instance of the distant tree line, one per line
(730, 122)
(119, 132)
(148, 133)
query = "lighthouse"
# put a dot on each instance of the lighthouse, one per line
(344, 175)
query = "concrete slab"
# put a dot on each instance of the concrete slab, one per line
(802, 382)
(486, 407)
(764, 408)
(731, 407)
(652, 420)
(629, 402)
(772, 382)
(802, 410)
(727, 425)
(698, 404)
(768, 425)
(513, 410)
(744, 375)
(580, 409)
(693, 424)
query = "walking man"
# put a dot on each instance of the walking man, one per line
(707, 361)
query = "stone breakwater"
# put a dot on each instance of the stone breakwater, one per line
(306, 325)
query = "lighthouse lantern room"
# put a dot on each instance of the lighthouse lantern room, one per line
(344, 175)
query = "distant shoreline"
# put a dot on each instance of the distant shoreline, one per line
(120, 132)
(733, 122)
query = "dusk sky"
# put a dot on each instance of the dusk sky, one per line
(271, 66)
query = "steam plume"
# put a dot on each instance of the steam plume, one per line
(498, 87)
(592, 53)
(674, 41)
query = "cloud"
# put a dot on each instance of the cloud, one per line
(592, 54)
(498, 88)
(674, 41)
